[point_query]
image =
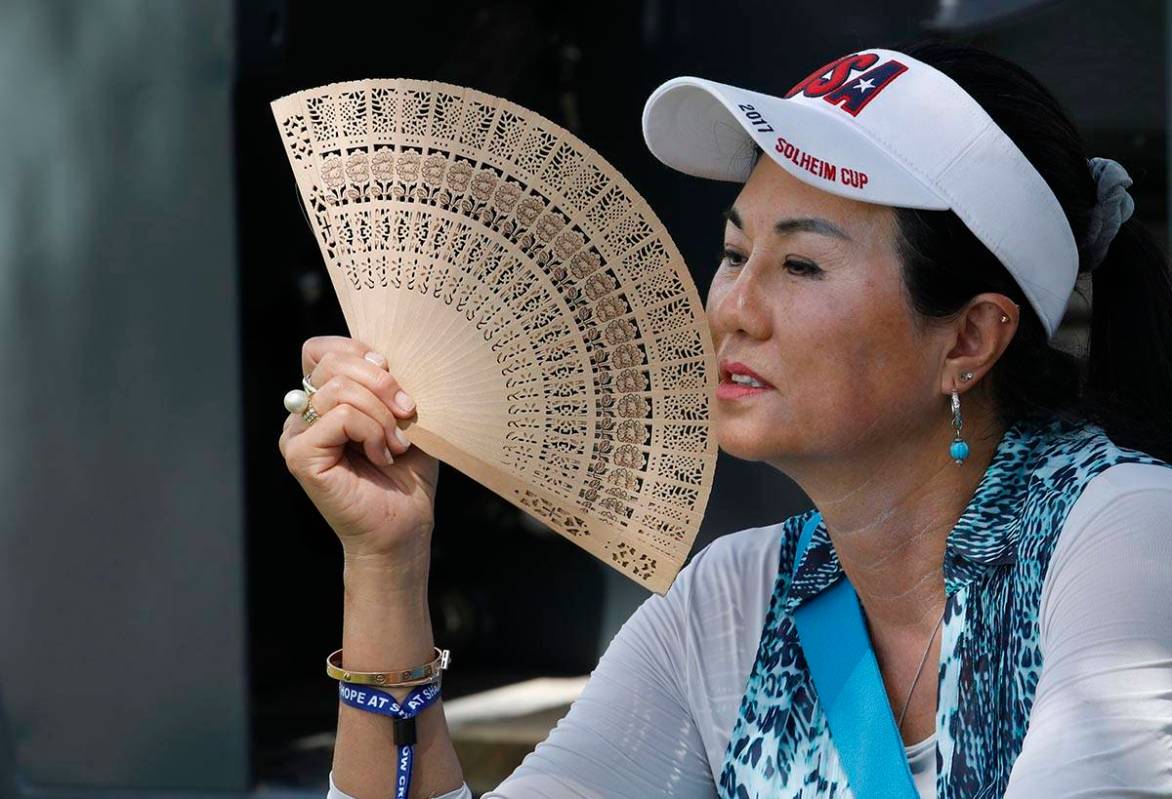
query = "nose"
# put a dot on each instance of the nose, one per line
(740, 305)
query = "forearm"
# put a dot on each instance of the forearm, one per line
(387, 626)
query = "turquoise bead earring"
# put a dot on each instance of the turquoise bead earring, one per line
(960, 448)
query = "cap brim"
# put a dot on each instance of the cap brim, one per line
(711, 130)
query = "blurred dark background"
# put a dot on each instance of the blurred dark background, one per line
(167, 593)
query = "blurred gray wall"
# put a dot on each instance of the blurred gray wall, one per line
(121, 621)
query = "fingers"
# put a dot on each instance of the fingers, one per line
(314, 349)
(317, 447)
(370, 370)
(356, 400)
(339, 390)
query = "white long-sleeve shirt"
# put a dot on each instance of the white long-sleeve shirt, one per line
(655, 717)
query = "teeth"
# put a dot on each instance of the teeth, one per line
(747, 381)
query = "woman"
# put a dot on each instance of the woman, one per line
(999, 507)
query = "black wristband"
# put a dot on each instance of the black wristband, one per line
(404, 731)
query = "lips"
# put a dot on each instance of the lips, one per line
(730, 368)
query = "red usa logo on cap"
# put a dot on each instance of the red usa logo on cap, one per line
(836, 84)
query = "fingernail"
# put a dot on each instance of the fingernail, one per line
(404, 401)
(388, 456)
(399, 434)
(376, 358)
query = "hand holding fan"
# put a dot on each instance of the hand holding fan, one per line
(529, 301)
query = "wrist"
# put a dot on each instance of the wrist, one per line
(402, 572)
(385, 545)
(384, 627)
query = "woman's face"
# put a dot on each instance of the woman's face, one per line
(809, 296)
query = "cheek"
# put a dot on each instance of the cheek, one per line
(871, 319)
(890, 373)
(855, 358)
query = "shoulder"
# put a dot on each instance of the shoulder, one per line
(743, 547)
(1115, 541)
(733, 579)
(1131, 499)
(753, 554)
(1077, 452)
(1071, 469)
(1125, 483)
(732, 576)
(1095, 482)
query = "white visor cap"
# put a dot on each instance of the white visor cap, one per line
(881, 127)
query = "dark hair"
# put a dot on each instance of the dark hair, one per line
(1124, 382)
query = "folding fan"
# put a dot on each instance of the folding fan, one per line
(527, 298)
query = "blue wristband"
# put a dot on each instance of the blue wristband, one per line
(373, 700)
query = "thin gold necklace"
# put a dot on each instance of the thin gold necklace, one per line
(920, 670)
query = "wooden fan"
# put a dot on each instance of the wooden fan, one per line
(527, 298)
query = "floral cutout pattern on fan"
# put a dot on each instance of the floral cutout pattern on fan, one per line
(527, 298)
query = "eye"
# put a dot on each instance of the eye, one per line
(802, 267)
(731, 257)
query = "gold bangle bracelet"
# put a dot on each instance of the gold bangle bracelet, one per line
(420, 675)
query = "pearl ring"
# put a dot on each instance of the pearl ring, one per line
(298, 401)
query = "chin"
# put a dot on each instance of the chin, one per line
(745, 440)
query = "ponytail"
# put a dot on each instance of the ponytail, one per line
(1128, 388)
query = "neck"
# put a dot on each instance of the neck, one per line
(889, 511)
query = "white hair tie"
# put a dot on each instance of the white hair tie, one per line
(1113, 207)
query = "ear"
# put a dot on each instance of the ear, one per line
(982, 331)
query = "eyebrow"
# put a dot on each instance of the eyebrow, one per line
(809, 224)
